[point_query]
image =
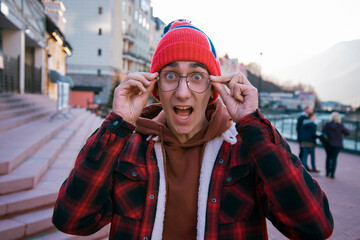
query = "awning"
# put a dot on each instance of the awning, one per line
(56, 76)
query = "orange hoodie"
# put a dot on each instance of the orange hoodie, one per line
(183, 164)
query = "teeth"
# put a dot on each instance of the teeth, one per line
(182, 117)
(183, 107)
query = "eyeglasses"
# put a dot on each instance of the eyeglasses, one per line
(197, 82)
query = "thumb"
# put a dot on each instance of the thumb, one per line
(221, 89)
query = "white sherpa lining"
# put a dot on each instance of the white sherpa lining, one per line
(211, 150)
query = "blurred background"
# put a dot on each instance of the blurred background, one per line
(61, 60)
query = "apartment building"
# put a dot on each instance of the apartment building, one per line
(110, 38)
(31, 46)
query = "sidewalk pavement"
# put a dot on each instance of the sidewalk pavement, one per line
(343, 193)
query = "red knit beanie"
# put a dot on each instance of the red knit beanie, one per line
(182, 41)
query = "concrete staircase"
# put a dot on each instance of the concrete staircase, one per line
(37, 152)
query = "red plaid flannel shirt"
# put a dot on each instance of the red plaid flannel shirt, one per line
(116, 179)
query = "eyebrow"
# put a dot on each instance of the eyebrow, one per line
(192, 65)
(197, 64)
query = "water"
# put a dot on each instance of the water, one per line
(286, 125)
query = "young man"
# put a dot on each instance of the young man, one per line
(308, 141)
(308, 109)
(189, 167)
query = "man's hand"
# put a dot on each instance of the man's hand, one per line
(243, 97)
(132, 94)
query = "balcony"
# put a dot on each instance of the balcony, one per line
(129, 37)
(135, 58)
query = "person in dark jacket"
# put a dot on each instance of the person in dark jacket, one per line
(334, 130)
(308, 141)
(308, 109)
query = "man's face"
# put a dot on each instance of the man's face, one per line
(185, 109)
(309, 110)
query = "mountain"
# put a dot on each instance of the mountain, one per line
(334, 73)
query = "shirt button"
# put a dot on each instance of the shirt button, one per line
(115, 123)
(134, 174)
(213, 200)
(228, 179)
(151, 196)
(221, 161)
(152, 157)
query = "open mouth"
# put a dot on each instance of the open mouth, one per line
(183, 112)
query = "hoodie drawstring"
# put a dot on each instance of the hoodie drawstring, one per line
(164, 158)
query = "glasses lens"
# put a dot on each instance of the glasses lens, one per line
(198, 81)
(168, 80)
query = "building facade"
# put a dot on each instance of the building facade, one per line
(110, 38)
(31, 45)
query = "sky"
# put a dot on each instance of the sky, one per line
(286, 32)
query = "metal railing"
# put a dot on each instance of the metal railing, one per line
(32, 79)
(9, 76)
(286, 125)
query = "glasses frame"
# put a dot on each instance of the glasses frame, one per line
(187, 81)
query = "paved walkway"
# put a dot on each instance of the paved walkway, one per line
(343, 193)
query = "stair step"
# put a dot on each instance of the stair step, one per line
(46, 191)
(12, 113)
(15, 105)
(26, 224)
(19, 144)
(8, 124)
(35, 223)
(10, 98)
(28, 174)
(11, 229)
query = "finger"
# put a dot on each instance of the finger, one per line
(222, 79)
(237, 93)
(220, 88)
(148, 91)
(244, 79)
(143, 77)
(134, 86)
(230, 79)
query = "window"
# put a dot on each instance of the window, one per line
(124, 6)
(99, 52)
(136, 15)
(99, 72)
(123, 26)
(100, 10)
(100, 31)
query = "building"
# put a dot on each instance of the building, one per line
(330, 106)
(110, 39)
(31, 45)
(286, 100)
(231, 65)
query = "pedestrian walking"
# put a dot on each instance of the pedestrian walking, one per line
(192, 166)
(334, 131)
(308, 108)
(308, 141)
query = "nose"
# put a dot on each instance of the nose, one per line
(182, 91)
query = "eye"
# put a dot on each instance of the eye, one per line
(197, 76)
(170, 76)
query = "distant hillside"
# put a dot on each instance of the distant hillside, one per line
(264, 86)
(335, 73)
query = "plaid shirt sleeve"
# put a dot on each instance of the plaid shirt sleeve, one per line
(293, 200)
(84, 202)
